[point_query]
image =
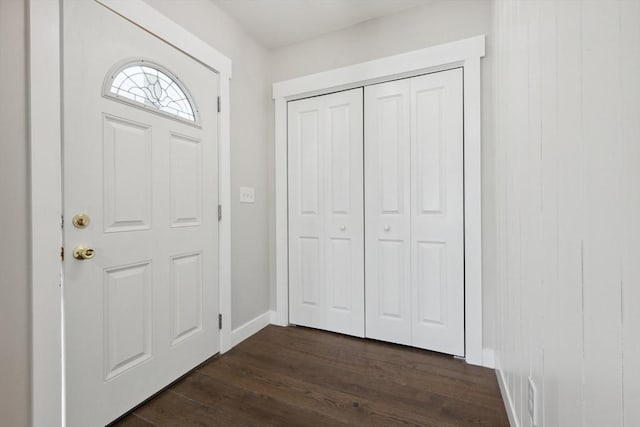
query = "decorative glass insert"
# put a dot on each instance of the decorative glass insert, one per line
(148, 85)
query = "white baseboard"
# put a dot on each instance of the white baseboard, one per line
(275, 318)
(508, 401)
(251, 327)
(488, 358)
(279, 318)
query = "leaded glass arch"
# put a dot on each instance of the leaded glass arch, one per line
(145, 84)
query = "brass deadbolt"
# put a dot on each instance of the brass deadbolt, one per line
(81, 220)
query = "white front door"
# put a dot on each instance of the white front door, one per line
(414, 212)
(141, 162)
(326, 247)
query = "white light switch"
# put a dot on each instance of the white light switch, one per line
(247, 195)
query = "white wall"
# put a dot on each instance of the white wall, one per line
(568, 171)
(15, 310)
(436, 22)
(250, 124)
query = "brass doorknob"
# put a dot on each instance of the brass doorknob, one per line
(82, 252)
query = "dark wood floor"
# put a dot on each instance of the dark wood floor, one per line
(303, 377)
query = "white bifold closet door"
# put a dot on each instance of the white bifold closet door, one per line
(414, 212)
(326, 241)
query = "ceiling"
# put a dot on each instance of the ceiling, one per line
(277, 23)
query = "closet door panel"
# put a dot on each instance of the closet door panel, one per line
(326, 240)
(306, 222)
(344, 283)
(387, 207)
(437, 241)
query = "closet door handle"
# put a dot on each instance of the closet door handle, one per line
(343, 227)
(387, 228)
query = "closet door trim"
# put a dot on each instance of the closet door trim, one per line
(465, 54)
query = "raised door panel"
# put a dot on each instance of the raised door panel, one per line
(127, 175)
(186, 181)
(308, 159)
(339, 275)
(431, 282)
(391, 153)
(387, 197)
(437, 217)
(391, 274)
(127, 317)
(310, 272)
(339, 159)
(187, 296)
(428, 144)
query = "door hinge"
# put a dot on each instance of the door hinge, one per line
(219, 212)
(61, 253)
(62, 222)
(219, 108)
(219, 321)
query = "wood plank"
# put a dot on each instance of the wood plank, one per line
(404, 394)
(261, 395)
(170, 409)
(132, 420)
(403, 367)
(343, 348)
(305, 377)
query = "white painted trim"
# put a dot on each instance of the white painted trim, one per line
(46, 212)
(282, 215)
(507, 399)
(45, 117)
(472, 212)
(383, 69)
(464, 53)
(224, 196)
(243, 332)
(148, 18)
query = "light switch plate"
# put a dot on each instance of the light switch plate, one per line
(247, 195)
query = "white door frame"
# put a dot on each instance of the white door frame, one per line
(45, 115)
(463, 53)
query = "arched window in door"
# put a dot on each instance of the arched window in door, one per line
(151, 86)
